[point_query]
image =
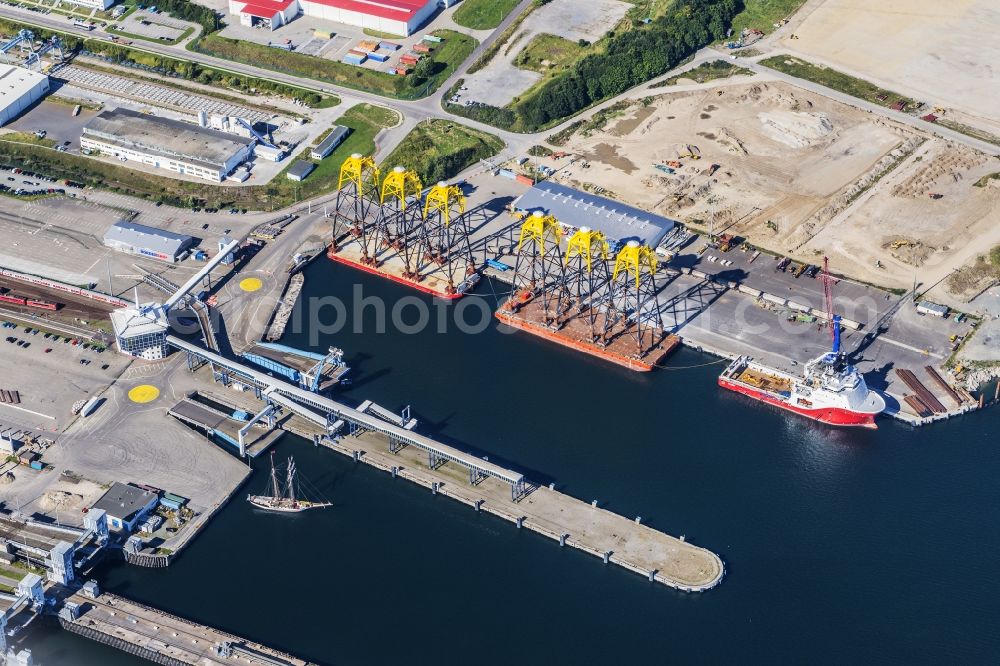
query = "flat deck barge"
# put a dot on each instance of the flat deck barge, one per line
(429, 280)
(574, 333)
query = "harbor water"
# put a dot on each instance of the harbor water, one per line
(840, 545)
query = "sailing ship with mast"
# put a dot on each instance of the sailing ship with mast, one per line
(284, 496)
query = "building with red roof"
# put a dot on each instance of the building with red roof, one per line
(397, 17)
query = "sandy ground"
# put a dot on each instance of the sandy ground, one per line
(500, 82)
(943, 53)
(801, 175)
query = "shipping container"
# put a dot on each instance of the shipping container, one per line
(390, 46)
(37, 464)
(353, 59)
(506, 173)
(527, 180)
(421, 48)
(322, 34)
(432, 39)
(358, 52)
(378, 57)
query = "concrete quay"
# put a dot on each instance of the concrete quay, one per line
(160, 637)
(570, 522)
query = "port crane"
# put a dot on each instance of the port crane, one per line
(24, 39)
(35, 57)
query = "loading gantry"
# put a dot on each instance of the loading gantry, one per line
(539, 271)
(631, 302)
(444, 238)
(357, 204)
(587, 277)
(398, 225)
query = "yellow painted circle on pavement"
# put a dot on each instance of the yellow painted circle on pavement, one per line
(251, 284)
(144, 393)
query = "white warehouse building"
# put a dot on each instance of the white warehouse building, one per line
(99, 5)
(169, 144)
(396, 17)
(19, 89)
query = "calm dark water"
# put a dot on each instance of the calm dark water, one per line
(840, 546)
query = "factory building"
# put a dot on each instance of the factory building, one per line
(149, 242)
(167, 144)
(141, 331)
(330, 143)
(19, 89)
(268, 14)
(397, 17)
(575, 208)
(126, 505)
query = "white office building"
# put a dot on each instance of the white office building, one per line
(167, 144)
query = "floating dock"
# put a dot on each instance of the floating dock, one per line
(160, 637)
(225, 426)
(575, 334)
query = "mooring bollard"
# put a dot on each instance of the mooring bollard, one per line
(638, 520)
(594, 504)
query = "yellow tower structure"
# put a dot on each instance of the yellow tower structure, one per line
(539, 270)
(539, 229)
(636, 260)
(588, 245)
(399, 222)
(444, 237)
(400, 184)
(359, 170)
(357, 203)
(444, 200)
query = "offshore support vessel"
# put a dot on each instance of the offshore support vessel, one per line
(830, 390)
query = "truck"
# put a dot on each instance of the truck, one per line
(90, 406)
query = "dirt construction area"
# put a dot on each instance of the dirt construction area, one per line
(943, 53)
(798, 174)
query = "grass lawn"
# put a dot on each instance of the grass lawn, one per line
(483, 14)
(831, 78)
(547, 54)
(27, 137)
(371, 32)
(439, 149)
(707, 71)
(364, 119)
(447, 56)
(763, 14)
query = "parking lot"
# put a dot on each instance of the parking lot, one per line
(56, 119)
(51, 373)
(158, 26)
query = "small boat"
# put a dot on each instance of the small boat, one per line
(284, 497)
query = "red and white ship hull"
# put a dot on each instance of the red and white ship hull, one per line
(837, 416)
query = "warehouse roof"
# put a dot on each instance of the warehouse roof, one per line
(332, 140)
(167, 137)
(618, 221)
(15, 82)
(124, 501)
(300, 169)
(150, 238)
(401, 10)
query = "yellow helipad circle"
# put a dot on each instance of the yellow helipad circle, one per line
(251, 284)
(144, 393)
